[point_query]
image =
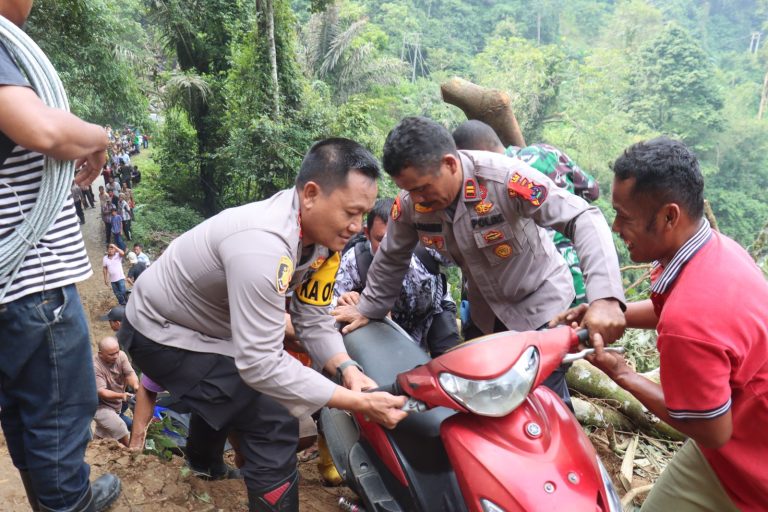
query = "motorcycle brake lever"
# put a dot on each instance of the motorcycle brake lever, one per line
(569, 358)
(413, 405)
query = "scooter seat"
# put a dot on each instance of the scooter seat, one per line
(383, 349)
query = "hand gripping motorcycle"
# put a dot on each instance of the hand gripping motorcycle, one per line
(483, 435)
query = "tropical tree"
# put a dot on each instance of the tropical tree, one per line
(337, 50)
(98, 55)
(199, 33)
(673, 88)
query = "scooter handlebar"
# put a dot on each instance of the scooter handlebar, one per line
(411, 405)
(392, 389)
(575, 356)
(583, 336)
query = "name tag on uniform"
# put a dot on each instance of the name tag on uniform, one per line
(493, 236)
(318, 289)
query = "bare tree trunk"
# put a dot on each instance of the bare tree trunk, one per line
(270, 18)
(538, 28)
(763, 97)
(588, 380)
(490, 106)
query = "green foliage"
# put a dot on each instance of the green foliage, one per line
(344, 54)
(673, 88)
(740, 214)
(177, 155)
(159, 442)
(94, 51)
(529, 73)
(158, 219)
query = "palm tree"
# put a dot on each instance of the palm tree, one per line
(333, 52)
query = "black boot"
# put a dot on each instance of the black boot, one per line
(281, 497)
(85, 504)
(31, 496)
(106, 490)
(99, 496)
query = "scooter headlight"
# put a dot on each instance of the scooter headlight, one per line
(495, 397)
(614, 502)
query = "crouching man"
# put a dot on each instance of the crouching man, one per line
(208, 320)
(113, 373)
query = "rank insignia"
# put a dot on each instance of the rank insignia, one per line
(493, 235)
(482, 207)
(284, 274)
(420, 208)
(433, 241)
(470, 189)
(396, 209)
(503, 251)
(523, 187)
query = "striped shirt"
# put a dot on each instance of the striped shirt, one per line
(681, 257)
(59, 258)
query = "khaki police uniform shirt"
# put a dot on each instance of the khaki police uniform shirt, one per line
(221, 287)
(513, 270)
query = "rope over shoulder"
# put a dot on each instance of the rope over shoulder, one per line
(57, 175)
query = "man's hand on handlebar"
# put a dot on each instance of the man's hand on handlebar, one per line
(613, 364)
(384, 408)
(602, 316)
(356, 380)
(571, 317)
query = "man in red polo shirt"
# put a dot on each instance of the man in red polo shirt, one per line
(709, 304)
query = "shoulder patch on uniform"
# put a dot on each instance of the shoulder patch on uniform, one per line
(470, 189)
(420, 208)
(503, 250)
(396, 210)
(284, 274)
(317, 290)
(520, 186)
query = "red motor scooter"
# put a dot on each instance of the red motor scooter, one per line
(483, 435)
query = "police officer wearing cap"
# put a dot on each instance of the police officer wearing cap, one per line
(486, 212)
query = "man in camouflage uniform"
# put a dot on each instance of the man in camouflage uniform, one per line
(548, 160)
(424, 308)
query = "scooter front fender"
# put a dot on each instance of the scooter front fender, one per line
(536, 458)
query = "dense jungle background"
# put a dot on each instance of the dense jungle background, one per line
(234, 92)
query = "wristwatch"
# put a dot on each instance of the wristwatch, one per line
(343, 366)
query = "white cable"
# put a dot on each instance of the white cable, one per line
(57, 175)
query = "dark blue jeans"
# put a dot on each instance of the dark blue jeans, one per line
(119, 240)
(48, 392)
(118, 287)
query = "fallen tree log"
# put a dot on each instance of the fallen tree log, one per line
(588, 380)
(595, 415)
(491, 106)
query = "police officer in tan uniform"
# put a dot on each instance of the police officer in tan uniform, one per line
(207, 321)
(485, 212)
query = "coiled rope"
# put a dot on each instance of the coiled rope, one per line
(57, 175)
